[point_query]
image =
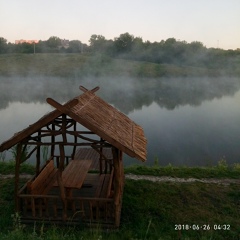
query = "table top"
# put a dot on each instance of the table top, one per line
(75, 173)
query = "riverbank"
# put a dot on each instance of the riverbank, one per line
(154, 207)
(80, 66)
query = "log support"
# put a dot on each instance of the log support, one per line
(118, 183)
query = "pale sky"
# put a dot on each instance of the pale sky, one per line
(215, 23)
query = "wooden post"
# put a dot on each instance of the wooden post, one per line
(17, 168)
(118, 183)
(64, 123)
(62, 158)
(53, 140)
(38, 155)
(101, 159)
(75, 139)
(59, 179)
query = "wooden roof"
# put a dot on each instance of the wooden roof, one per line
(98, 116)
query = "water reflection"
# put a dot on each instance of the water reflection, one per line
(193, 136)
(186, 121)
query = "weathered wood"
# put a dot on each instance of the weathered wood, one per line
(85, 89)
(103, 133)
(53, 140)
(62, 158)
(38, 156)
(75, 173)
(43, 183)
(75, 140)
(109, 190)
(35, 127)
(17, 169)
(85, 208)
(104, 186)
(64, 123)
(118, 183)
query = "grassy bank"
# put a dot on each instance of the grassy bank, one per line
(150, 210)
(77, 65)
(221, 170)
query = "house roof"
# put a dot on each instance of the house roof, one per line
(98, 116)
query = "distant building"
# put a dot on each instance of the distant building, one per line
(26, 41)
(64, 43)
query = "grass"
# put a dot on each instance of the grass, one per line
(9, 168)
(150, 210)
(221, 170)
(78, 66)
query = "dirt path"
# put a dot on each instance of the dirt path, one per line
(224, 181)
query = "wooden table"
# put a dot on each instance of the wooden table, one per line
(74, 175)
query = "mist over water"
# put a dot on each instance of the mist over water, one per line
(187, 121)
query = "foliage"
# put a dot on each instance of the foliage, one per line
(8, 167)
(2, 156)
(24, 153)
(127, 46)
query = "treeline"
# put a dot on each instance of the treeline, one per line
(126, 46)
(52, 45)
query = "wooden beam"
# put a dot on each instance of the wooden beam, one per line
(35, 127)
(82, 88)
(59, 107)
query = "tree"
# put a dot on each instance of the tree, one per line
(54, 42)
(3, 45)
(98, 43)
(123, 43)
(75, 46)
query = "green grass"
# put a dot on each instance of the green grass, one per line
(150, 210)
(221, 170)
(77, 66)
(8, 167)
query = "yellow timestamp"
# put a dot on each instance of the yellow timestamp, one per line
(204, 227)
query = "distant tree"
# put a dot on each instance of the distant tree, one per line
(124, 43)
(97, 43)
(3, 45)
(75, 46)
(53, 42)
(196, 46)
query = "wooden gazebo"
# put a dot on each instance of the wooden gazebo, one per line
(82, 179)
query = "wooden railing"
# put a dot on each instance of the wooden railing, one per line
(74, 210)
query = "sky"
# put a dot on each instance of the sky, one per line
(215, 23)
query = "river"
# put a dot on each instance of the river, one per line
(187, 121)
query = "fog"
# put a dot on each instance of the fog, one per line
(127, 94)
(187, 121)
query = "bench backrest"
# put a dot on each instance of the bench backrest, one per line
(44, 179)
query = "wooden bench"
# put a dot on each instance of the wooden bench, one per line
(104, 188)
(43, 183)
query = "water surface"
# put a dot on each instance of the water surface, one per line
(187, 121)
